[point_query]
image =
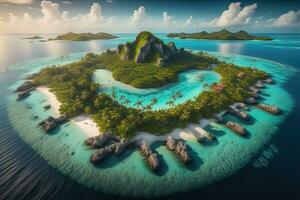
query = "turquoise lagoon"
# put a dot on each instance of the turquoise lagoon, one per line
(129, 175)
(190, 84)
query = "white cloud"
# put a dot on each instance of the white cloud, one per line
(67, 2)
(95, 14)
(110, 1)
(53, 20)
(189, 21)
(291, 18)
(17, 1)
(50, 11)
(167, 19)
(234, 15)
(139, 15)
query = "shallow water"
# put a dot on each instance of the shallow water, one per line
(190, 84)
(64, 150)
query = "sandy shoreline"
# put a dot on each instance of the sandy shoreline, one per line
(90, 128)
(84, 122)
(188, 133)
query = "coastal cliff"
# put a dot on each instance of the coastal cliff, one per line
(148, 48)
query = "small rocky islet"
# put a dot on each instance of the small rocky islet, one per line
(84, 36)
(149, 49)
(219, 35)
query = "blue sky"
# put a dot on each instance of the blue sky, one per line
(18, 16)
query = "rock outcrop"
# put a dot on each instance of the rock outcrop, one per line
(143, 53)
(241, 105)
(24, 94)
(113, 149)
(171, 143)
(268, 80)
(25, 89)
(123, 51)
(203, 136)
(254, 89)
(250, 101)
(236, 112)
(182, 152)
(179, 148)
(99, 141)
(122, 146)
(152, 158)
(259, 84)
(148, 48)
(237, 128)
(26, 86)
(31, 76)
(218, 118)
(269, 108)
(51, 123)
(102, 153)
(47, 107)
(255, 95)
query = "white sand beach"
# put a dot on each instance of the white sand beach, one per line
(188, 133)
(52, 100)
(82, 121)
(90, 127)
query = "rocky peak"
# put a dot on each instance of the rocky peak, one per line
(146, 49)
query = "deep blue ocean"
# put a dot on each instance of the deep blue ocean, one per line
(26, 175)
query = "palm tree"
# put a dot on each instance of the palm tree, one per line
(122, 97)
(153, 101)
(176, 95)
(113, 93)
(78, 104)
(170, 103)
(84, 95)
(127, 102)
(185, 115)
(138, 103)
(115, 115)
(205, 86)
(148, 107)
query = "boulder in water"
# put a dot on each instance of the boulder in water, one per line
(102, 153)
(269, 108)
(171, 143)
(179, 148)
(100, 140)
(237, 128)
(152, 158)
(250, 101)
(26, 86)
(51, 123)
(153, 162)
(121, 146)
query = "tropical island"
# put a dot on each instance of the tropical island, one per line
(219, 35)
(36, 37)
(147, 62)
(84, 36)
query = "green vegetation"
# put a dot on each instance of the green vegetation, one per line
(33, 38)
(84, 36)
(74, 88)
(148, 75)
(136, 62)
(219, 35)
(132, 50)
